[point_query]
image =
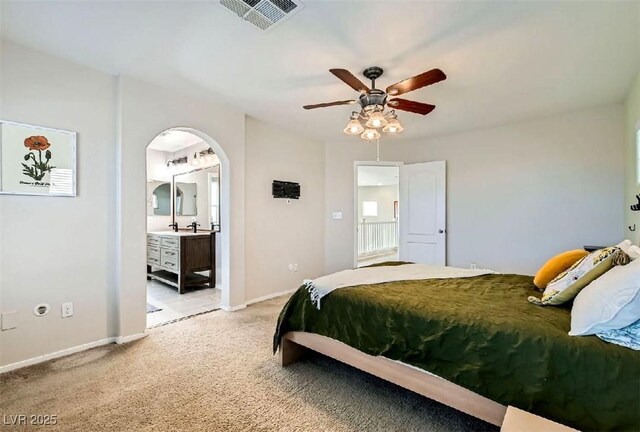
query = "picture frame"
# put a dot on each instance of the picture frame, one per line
(37, 160)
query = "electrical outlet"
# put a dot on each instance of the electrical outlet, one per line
(336, 215)
(473, 266)
(67, 310)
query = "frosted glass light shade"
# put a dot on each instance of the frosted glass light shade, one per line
(376, 120)
(393, 126)
(353, 127)
(370, 134)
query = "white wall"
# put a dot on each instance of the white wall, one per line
(384, 196)
(55, 250)
(632, 187)
(91, 249)
(277, 233)
(516, 194)
(145, 111)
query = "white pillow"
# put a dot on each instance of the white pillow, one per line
(630, 249)
(610, 302)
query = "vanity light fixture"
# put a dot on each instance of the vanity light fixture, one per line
(208, 154)
(175, 162)
(203, 157)
(196, 159)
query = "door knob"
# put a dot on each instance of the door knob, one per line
(441, 231)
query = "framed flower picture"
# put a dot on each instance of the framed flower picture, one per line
(36, 160)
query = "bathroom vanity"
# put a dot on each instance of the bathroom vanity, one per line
(175, 257)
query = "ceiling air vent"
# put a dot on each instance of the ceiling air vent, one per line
(264, 14)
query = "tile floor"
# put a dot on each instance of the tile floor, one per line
(175, 306)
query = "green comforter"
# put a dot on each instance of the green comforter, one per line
(482, 334)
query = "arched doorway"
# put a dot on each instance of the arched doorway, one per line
(196, 169)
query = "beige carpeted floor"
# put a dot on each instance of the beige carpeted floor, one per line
(215, 372)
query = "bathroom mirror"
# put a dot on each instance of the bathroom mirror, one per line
(159, 202)
(197, 197)
(186, 199)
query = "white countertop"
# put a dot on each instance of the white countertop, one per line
(180, 233)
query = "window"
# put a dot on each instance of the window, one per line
(369, 208)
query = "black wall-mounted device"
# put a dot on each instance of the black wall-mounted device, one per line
(285, 189)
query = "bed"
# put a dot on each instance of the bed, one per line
(483, 345)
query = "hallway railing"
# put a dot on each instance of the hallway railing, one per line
(377, 237)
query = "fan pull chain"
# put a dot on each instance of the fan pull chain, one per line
(378, 149)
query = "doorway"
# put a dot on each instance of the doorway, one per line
(376, 212)
(400, 212)
(183, 223)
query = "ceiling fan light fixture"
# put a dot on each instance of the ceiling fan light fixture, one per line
(370, 134)
(376, 120)
(354, 127)
(394, 125)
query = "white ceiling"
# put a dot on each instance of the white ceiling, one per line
(378, 175)
(173, 141)
(505, 61)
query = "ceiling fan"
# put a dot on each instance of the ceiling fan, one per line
(373, 101)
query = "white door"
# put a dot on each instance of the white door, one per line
(423, 237)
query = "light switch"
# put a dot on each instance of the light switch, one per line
(336, 215)
(9, 320)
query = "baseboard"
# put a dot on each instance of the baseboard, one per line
(233, 308)
(270, 296)
(130, 338)
(54, 355)
(69, 351)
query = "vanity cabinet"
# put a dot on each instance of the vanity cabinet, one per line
(174, 258)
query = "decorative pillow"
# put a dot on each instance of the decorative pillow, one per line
(569, 283)
(628, 336)
(608, 303)
(633, 252)
(556, 265)
(630, 249)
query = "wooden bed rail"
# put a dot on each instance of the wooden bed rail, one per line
(294, 344)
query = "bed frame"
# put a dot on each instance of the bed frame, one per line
(293, 345)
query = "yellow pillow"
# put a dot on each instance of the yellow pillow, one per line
(569, 283)
(556, 265)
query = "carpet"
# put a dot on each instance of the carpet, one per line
(151, 308)
(216, 372)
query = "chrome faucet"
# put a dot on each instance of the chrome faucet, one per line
(194, 225)
(174, 226)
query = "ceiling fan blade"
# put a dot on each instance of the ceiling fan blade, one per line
(349, 79)
(424, 79)
(328, 104)
(411, 106)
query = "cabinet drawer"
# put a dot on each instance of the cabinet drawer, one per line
(171, 242)
(170, 255)
(171, 266)
(153, 251)
(153, 240)
(153, 261)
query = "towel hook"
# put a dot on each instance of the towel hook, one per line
(632, 228)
